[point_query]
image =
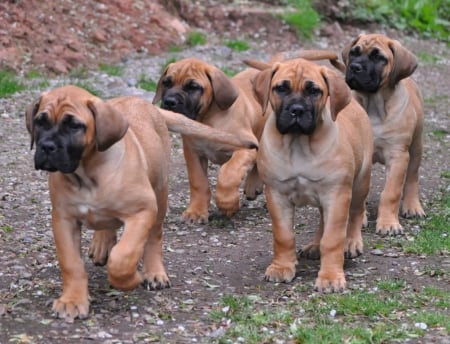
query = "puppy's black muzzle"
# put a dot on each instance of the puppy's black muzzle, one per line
(297, 116)
(178, 102)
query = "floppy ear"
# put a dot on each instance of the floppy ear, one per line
(405, 63)
(110, 125)
(339, 92)
(347, 48)
(261, 85)
(225, 93)
(30, 112)
(159, 88)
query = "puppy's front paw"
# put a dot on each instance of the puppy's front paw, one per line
(310, 251)
(101, 245)
(71, 308)
(330, 283)
(389, 228)
(156, 281)
(353, 248)
(277, 273)
(412, 210)
(195, 216)
(228, 204)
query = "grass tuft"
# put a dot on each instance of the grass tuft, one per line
(9, 83)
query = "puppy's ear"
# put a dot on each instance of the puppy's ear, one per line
(225, 93)
(346, 50)
(110, 125)
(159, 87)
(339, 92)
(261, 85)
(30, 112)
(405, 63)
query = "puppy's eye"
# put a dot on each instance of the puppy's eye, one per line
(167, 82)
(42, 121)
(73, 124)
(193, 86)
(312, 90)
(282, 88)
(356, 51)
(375, 55)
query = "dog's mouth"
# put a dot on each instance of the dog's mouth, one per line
(181, 104)
(296, 118)
(363, 76)
(52, 157)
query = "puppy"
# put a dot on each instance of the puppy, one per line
(316, 149)
(108, 164)
(204, 93)
(378, 70)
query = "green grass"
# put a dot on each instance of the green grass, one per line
(440, 133)
(434, 237)
(429, 18)
(389, 311)
(195, 38)
(111, 70)
(229, 72)
(7, 228)
(304, 18)
(9, 83)
(147, 84)
(237, 45)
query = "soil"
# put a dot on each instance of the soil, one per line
(204, 262)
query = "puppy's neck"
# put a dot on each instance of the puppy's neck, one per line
(378, 105)
(94, 166)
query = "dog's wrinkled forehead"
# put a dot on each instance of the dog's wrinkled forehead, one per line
(300, 73)
(63, 101)
(368, 43)
(187, 70)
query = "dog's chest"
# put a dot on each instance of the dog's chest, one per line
(298, 189)
(94, 217)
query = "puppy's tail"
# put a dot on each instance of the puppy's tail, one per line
(180, 124)
(312, 55)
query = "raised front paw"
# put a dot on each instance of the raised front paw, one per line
(277, 273)
(388, 227)
(71, 308)
(310, 251)
(330, 283)
(101, 245)
(228, 204)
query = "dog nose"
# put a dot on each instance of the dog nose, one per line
(296, 109)
(170, 102)
(48, 147)
(356, 67)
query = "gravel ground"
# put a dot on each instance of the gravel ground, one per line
(204, 262)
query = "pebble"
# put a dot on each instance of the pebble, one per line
(377, 252)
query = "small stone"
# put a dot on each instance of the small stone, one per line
(376, 252)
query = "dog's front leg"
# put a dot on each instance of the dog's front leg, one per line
(125, 255)
(387, 220)
(230, 178)
(200, 193)
(284, 260)
(331, 276)
(74, 301)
